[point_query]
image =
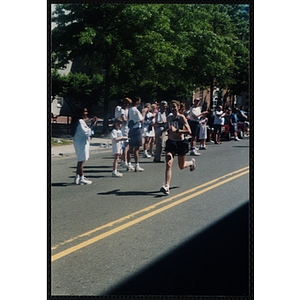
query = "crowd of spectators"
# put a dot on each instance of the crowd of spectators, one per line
(148, 126)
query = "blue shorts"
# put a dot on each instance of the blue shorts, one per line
(135, 135)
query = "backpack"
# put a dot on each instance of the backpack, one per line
(131, 124)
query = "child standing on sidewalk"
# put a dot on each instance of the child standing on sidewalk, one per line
(116, 137)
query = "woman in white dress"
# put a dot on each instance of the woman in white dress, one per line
(81, 140)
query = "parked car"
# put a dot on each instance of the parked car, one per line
(227, 132)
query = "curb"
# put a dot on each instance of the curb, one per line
(71, 154)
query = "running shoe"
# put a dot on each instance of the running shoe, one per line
(139, 169)
(117, 174)
(165, 189)
(77, 179)
(146, 155)
(195, 153)
(130, 168)
(84, 181)
(193, 165)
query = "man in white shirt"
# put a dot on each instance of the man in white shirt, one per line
(219, 122)
(135, 118)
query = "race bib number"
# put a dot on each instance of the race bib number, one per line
(174, 124)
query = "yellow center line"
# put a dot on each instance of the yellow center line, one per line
(146, 209)
(140, 219)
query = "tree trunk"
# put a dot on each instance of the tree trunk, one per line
(107, 83)
(211, 104)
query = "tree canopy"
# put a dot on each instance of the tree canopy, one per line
(155, 50)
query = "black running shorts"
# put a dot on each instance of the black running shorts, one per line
(181, 147)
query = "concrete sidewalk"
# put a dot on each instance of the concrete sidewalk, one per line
(96, 145)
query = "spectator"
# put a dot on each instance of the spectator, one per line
(160, 134)
(116, 138)
(244, 118)
(124, 116)
(90, 122)
(81, 140)
(203, 132)
(187, 112)
(154, 111)
(177, 127)
(149, 134)
(135, 119)
(218, 123)
(118, 109)
(195, 116)
(154, 108)
(233, 122)
(182, 108)
(210, 123)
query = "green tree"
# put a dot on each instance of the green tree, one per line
(155, 50)
(77, 86)
(123, 41)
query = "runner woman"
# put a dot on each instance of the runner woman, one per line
(177, 127)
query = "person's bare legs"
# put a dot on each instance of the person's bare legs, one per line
(115, 163)
(152, 142)
(136, 154)
(79, 170)
(168, 174)
(146, 143)
(182, 163)
(124, 155)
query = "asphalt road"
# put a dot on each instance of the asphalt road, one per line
(122, 236)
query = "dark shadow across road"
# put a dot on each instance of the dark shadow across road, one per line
(214, 262)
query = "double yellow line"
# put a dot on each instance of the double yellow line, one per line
(211, 185)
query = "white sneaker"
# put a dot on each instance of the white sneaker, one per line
(146, 155)
(130, 168)
(77, 179)
(139, 169)
(236, 139)
(193, 165)
(116, 174)
(125, 165)
(84, 181)
(165, 189)
(195, 152)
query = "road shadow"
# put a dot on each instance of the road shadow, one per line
(214, 262)
(89, 170)
(64, 184)
(93, 167)
(117, 192)
(97, 171)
